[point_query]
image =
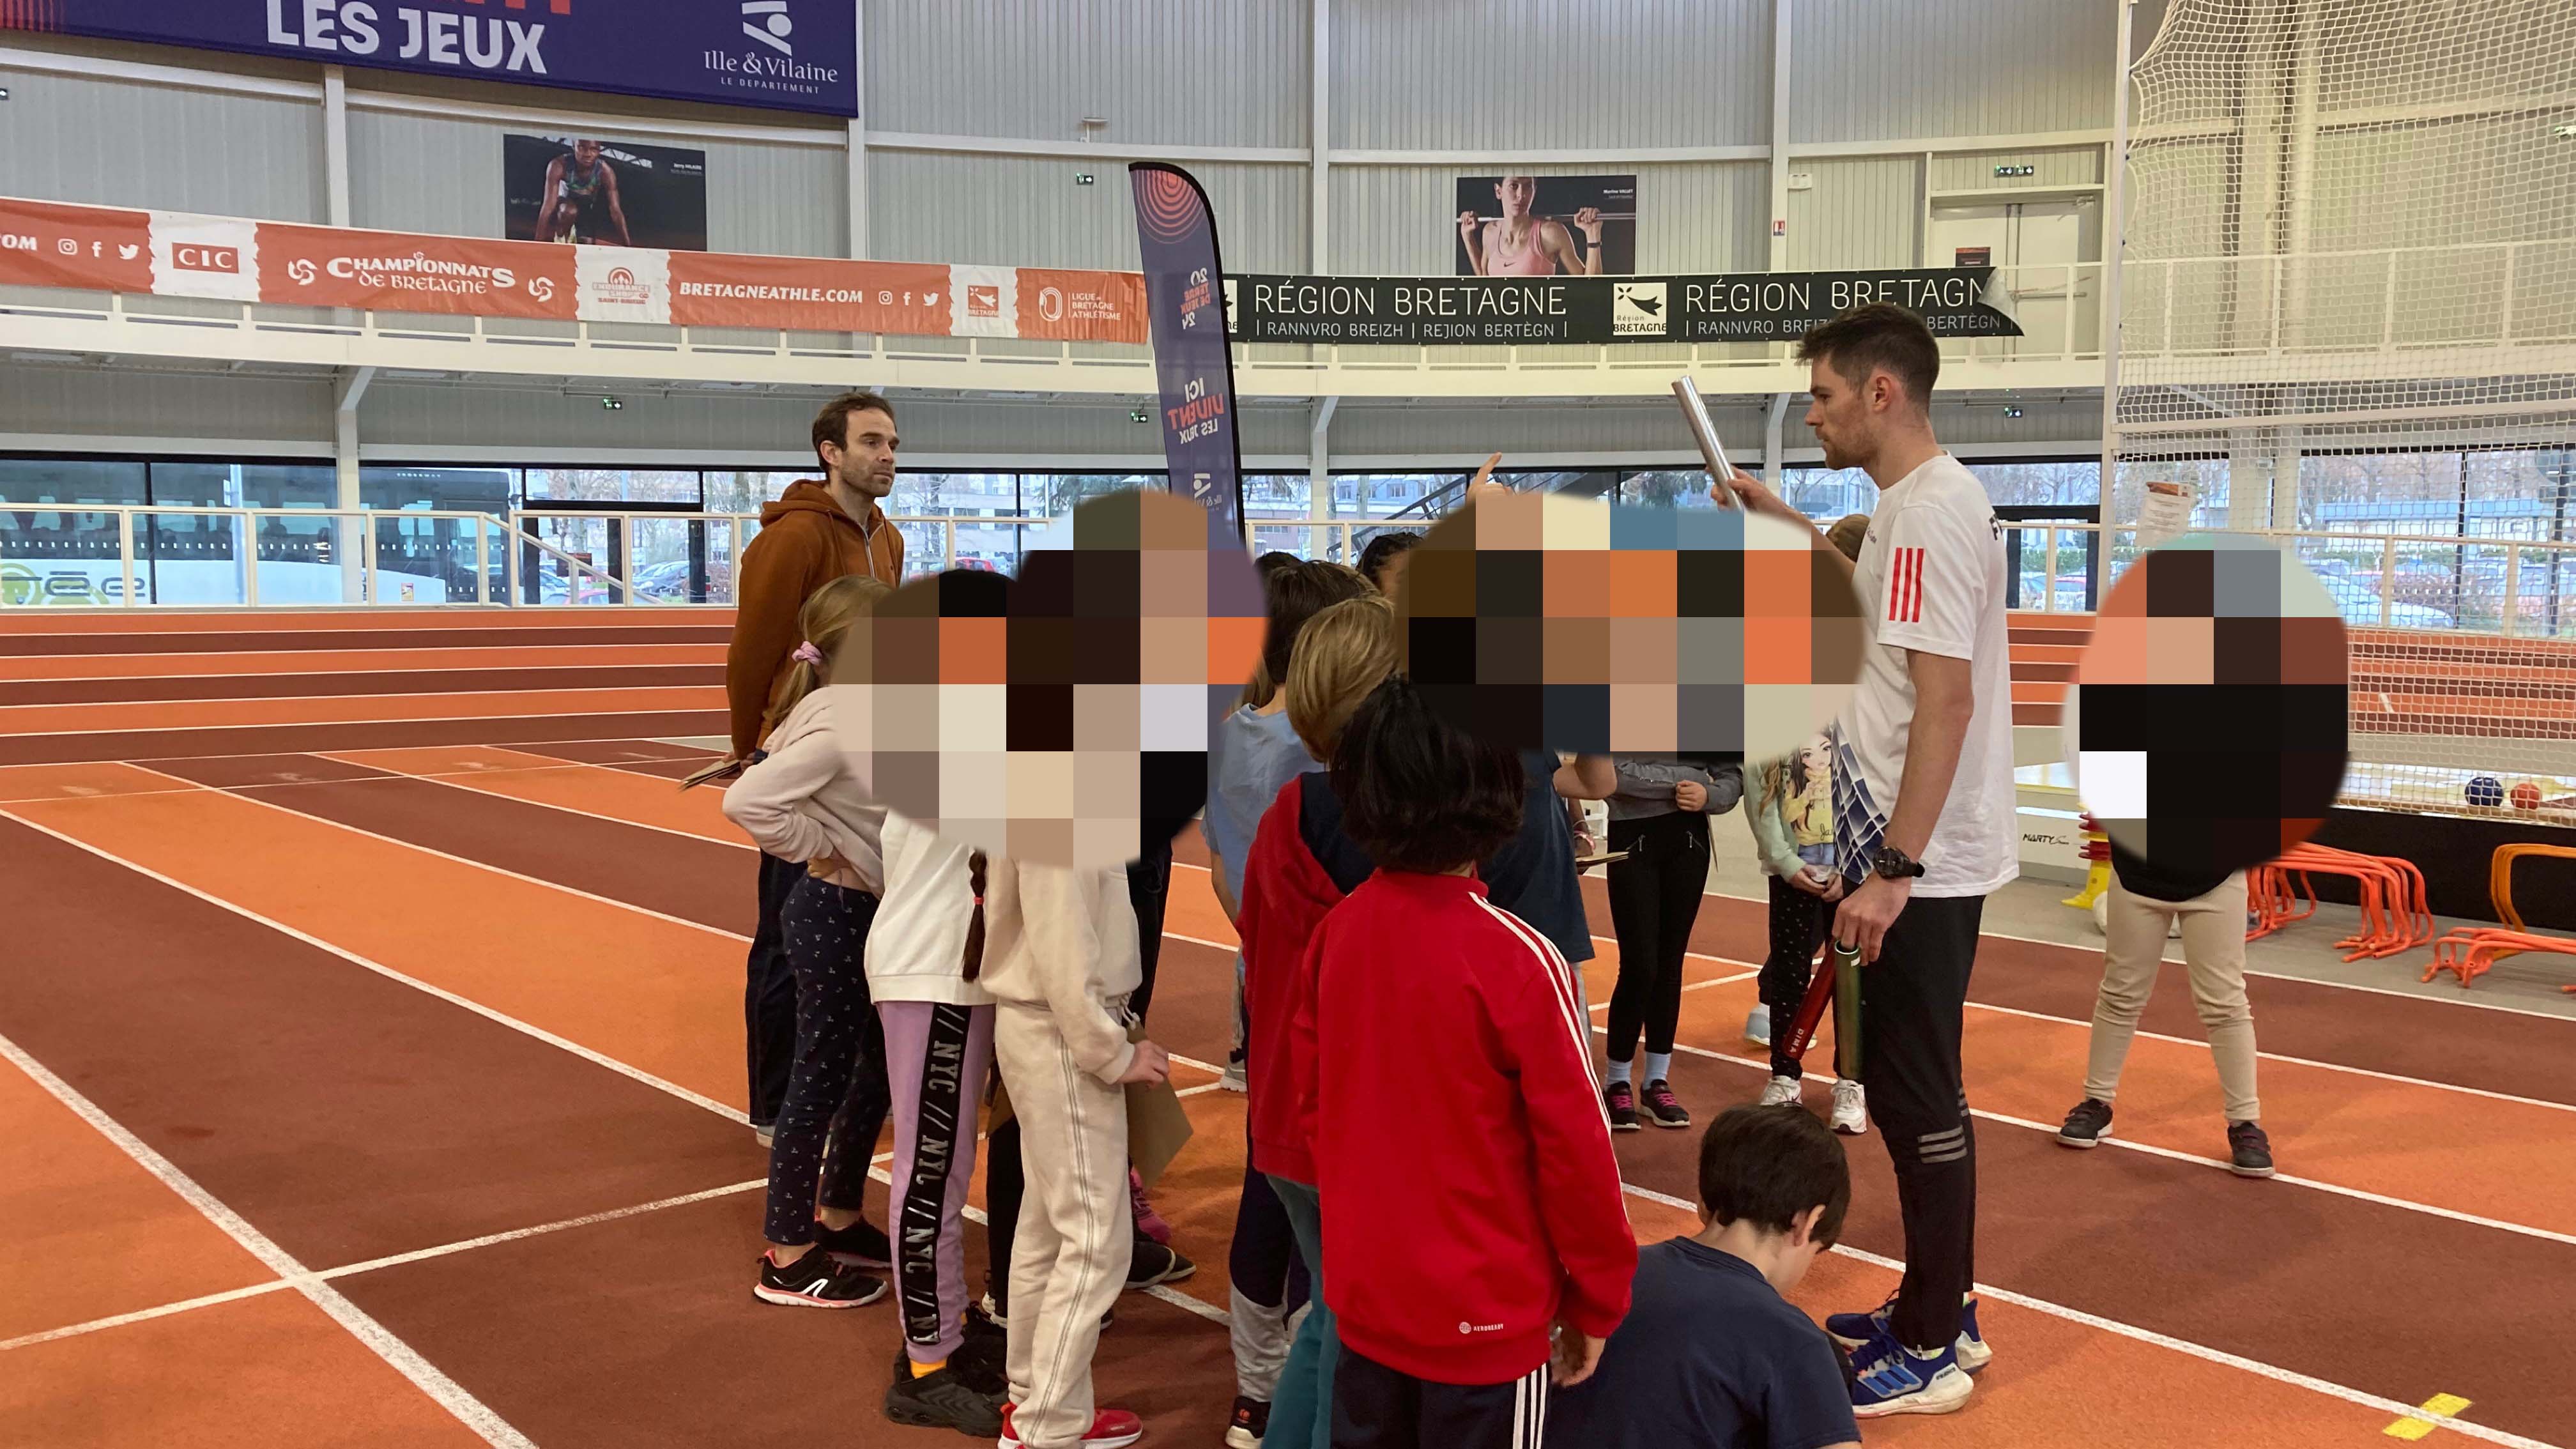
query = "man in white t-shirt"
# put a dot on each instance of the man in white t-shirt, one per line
(1924, 824)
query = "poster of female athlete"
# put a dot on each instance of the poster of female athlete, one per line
(1547, 226)
(613, 193)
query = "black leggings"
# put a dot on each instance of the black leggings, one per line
(838, 1092)
(1654, 899)
(1798, 925)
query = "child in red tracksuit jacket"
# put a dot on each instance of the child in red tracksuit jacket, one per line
(1473, 1224)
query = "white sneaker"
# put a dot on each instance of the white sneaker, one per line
(762, 1135)
(1232, 1080)
(1851, 1108)
(1757, 1026)
(1779, 1093)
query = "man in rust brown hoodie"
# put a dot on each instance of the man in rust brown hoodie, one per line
(814, 533)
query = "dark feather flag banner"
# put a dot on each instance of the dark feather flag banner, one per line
(1185, 315)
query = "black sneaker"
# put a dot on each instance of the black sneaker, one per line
(1154, 1264)
(815, 1281)
(942, 1399)
(2087, 1125)
(1251, 1420)
(2249, 1152)
(1661, 1107)
(1620, 1101)
(860, 1245)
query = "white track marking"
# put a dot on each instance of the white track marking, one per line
(481, 865)
(2462, 1000)
(2131, 1145)
(539, 657)
(402, 1357)
(2178, 1345)
(372, 1264)
(1704, 985)
(1163, 1291)
(353, 958)
(453, 779)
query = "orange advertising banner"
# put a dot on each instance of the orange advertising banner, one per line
(1061, 306)
(90, 248)
(384, 271)
(182, 254)
(809, 294)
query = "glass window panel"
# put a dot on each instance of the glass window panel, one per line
(744, 490)
(2018, 484)
(245, 485)
(1277, 495)
(980, 495)
(64, 555)
(71, 480)
(614, 485)
(1826, 494)
(1051, 495)
(442, 490)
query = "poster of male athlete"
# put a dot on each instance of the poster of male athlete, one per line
(613, 193)
(1546, 226)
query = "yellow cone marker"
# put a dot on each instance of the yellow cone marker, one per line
(2434, 1409)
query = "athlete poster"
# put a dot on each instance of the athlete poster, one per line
(1546, 226)
(603, 193)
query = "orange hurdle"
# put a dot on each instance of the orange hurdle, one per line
(2395, 914)
(2471, 951)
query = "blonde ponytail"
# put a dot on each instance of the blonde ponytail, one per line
(824, 625)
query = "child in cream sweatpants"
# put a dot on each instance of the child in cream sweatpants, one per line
(1060, 961)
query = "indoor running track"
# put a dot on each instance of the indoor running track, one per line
(393, 1096)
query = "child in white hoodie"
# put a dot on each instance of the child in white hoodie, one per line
(1060, 959)
(799, 803)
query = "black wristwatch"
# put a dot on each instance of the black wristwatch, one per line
(1895, 864)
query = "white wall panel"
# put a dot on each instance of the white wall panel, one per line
(1862, 212)
(1027, 211)
(1210, 73)
(129, 408)
(1975, 170)
(1550, 74)
(1691, 217)
(1869, 70)
(128, 143)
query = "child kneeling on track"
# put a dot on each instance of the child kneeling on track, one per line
(2144, 901)
(1793, 831)
(1421, 994)
(1710, 1352)
(925, 958)
(800, 803)
(1061, 961)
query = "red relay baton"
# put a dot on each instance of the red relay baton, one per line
(1811, 1010)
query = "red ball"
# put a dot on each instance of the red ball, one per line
(2526, 796)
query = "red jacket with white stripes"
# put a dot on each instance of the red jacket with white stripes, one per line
(1470, 1194)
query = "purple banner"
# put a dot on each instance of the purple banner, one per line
(797, 55)
(1185, 314)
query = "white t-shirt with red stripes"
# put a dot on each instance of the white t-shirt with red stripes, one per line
(1931, 580)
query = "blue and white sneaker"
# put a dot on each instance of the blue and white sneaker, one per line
(1855, 1330)
(1889, 1378)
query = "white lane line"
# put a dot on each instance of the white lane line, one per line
(80, 792)
(539, 657)
(94, 1325)
(2131, 1145)
(553, 696)
(353, 958)
(2464, 999)
(1703, 985)
(455, 780)
(2166, 1341)
(404, 1359)
(480, 865)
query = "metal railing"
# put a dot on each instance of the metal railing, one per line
(170, 556)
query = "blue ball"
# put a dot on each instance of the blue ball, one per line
(2486, 790)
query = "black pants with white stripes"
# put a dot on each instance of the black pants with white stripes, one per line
(1912, 1001)
(1376, 1407)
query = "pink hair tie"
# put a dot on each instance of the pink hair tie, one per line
(807, 652)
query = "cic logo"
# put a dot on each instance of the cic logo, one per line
(198, 257)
